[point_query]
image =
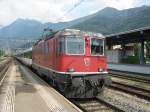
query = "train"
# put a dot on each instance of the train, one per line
(73, 61)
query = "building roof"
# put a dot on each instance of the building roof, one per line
(132, 36)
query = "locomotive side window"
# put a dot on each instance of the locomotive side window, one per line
(75, 45)
(46, 47)
(62, 45)
(97, 46)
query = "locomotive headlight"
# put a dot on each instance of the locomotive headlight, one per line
(100, 69)
(71, 70)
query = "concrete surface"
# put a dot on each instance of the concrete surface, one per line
(23, 91)
(130, 68)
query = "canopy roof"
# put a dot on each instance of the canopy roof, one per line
(132, 36)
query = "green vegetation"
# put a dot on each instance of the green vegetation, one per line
(1, 53)
(131, 60)
(27, 55)
(110, 20)
(136, 50)
(106, 21)
(135, 59)
(147, 45)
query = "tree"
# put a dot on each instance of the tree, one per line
(147, 45)
(136, 49)
(1, 52)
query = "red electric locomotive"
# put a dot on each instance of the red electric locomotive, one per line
(74, 61)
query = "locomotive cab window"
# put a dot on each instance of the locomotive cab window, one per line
(97, 46)
(75, 45)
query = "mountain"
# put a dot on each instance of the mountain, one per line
(22, 28)
(110, 20)
(61, 25)
(26, 28)
(106, 21)
(1, 26)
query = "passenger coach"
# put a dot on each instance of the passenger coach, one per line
(73, 61)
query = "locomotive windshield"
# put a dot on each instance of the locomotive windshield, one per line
(75, 45)
(97, 46)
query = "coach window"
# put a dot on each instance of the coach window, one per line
(97, 46)
(75, 45)
(62, 45)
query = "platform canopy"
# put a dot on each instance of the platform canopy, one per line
(132, 36)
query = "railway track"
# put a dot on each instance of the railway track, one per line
(96, 105)
(3, 69)
(139, 92)
(133, 89)
(130, 76)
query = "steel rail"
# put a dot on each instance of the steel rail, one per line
(139, 92)
(130, 76)
(97, 101)
(3, 73)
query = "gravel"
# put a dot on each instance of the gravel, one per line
(124, 101)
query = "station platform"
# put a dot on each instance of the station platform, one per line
(138, 69)
(23, 91)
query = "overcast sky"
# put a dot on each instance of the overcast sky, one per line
(53, 10)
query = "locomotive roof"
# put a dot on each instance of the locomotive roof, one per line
(71, 32)
(67, 32)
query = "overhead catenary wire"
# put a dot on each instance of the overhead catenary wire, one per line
(71, 9)
(47, 29)
(59, 19)
(67, 12)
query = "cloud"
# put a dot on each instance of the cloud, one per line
(54, 10)
(42, 10)
(92, 6)
(120, 4)
(141, 2)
